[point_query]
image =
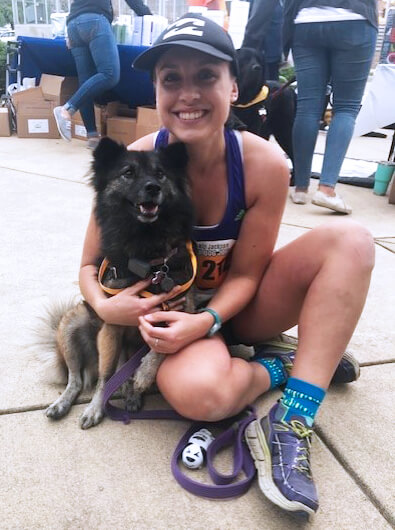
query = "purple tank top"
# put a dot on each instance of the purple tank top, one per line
(214, 243)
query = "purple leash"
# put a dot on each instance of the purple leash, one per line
(224, 485)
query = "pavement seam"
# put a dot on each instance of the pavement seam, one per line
(43, 406)
(376, 363)
(361, 484)
(85, 176)
(380, 244)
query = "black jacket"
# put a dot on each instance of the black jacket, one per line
(366, 8)
(258, 24)
(104, 7)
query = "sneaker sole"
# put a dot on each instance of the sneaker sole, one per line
(59, 128)
(326, 205)
(261, 454)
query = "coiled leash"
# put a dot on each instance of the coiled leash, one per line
(225, 486)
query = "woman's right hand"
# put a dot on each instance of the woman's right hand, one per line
(125, 308)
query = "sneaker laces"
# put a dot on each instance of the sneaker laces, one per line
(303, 433)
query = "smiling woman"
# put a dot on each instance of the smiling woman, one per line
(246, 291)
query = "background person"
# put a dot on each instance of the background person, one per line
(239, 184)
(264, 33)
(95, 53)
(331, 40)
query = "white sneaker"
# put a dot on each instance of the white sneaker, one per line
(64, 125)
(335, 203)
(298, 197)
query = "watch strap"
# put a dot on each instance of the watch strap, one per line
(217, 320)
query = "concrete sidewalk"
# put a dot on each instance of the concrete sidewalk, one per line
(56, 476)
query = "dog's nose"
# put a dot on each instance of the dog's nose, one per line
(152, 188)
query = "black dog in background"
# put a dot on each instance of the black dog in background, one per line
(265, 107)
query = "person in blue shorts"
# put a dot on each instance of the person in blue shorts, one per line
(239, 184)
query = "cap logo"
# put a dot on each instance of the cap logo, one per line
(185, 26)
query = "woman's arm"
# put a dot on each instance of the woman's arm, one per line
(266, 186)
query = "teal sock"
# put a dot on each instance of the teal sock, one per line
(302, 399)
(276, 370)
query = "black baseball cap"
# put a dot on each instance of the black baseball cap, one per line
(191, 31)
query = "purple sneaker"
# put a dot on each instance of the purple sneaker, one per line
(281, 451)
(347, 371)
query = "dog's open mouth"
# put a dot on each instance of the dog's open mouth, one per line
(148, 211)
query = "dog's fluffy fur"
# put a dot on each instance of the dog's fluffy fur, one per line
(144, 212)
(280, 105)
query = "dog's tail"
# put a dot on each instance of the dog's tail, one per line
(45, 348)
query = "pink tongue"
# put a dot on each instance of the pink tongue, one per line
(148, 208)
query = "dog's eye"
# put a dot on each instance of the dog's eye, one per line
(160, 174)
(126, 172)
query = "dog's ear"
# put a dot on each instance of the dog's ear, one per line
(104, 158)
(174, 156)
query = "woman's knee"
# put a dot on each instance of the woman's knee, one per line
(352, 241)
(194, 394)
(111, 77)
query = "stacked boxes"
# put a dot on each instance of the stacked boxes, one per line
(126, 125)
(34, 107)
(34, 114)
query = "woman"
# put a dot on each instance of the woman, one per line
(95, 53)
(332, 41)
(239, 186)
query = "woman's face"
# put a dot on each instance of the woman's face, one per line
(193, 93)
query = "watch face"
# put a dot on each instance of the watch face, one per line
(214, 328)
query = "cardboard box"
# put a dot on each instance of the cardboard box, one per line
(147, 121)
(122, 129)
(57, 88)
(34, 115)
(78, 129)
(35, 120)
(27, 96)
(5, 126)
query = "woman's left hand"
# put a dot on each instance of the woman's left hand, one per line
(181, 329)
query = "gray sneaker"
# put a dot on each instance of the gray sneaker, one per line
(281, 451)
(64, 125)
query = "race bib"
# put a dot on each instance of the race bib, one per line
(213, 262)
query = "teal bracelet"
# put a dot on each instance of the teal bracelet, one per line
(217, 320)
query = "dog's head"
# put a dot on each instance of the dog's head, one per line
(251, 77)
(139, 185)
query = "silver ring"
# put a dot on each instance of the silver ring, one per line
(156, 343)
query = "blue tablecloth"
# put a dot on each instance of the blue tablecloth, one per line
(51, 56)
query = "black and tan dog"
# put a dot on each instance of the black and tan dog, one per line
(145, 217)
(265, 107)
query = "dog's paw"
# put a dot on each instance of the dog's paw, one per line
(133, 402)
(145, 374)
(58, 409)
(91, 416)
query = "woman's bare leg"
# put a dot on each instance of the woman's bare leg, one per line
(203, 382)
(319, 281)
